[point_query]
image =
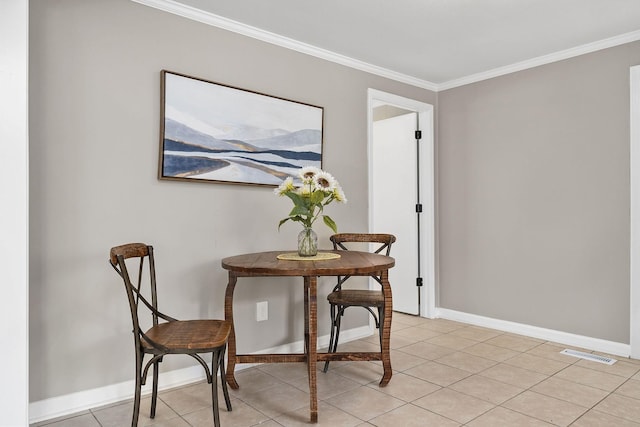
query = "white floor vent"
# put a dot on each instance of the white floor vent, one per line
(589, 356)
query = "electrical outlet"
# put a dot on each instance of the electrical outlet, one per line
(262, 311)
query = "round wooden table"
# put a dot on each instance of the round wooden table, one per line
(352, 263)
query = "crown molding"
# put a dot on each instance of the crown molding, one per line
(542, 60)
(198, 15)
(269, 37)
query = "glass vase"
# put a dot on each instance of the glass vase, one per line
(307, 242)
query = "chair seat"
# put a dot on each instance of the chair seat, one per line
(191, 335)
(357, 297)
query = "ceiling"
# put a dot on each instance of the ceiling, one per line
(435, 43)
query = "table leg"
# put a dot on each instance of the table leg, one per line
(386, 329)
(231, 345)
(306, 318)
(311, 324)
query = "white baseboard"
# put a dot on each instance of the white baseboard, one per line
(595, 344)
(68, 404)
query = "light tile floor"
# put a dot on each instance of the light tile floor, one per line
(445, 374)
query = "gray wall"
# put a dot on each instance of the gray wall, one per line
(533, 187)
(94, 123)
(534, 195)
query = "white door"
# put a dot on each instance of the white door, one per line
(394, 198)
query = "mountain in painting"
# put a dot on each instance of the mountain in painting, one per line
(248, 133)
(179, 132)
(302, 140)
(277, 139)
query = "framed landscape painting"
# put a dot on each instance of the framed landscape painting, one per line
(219, 133)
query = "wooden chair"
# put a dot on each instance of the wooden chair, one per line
(170, 336)
(340, 299)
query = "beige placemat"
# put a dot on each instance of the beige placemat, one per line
(320, 256)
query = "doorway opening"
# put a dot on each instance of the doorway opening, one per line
(401, 194)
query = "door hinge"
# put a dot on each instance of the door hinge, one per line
(418, 281)
(418, 134)
(419, 208)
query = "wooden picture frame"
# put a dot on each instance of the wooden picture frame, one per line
(211, 132)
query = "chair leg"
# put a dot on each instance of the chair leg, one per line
(154, 392)
(331, 337)
(223, 379)
(138, 390)
(339, 315)
(215, 365)
(333, 347)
